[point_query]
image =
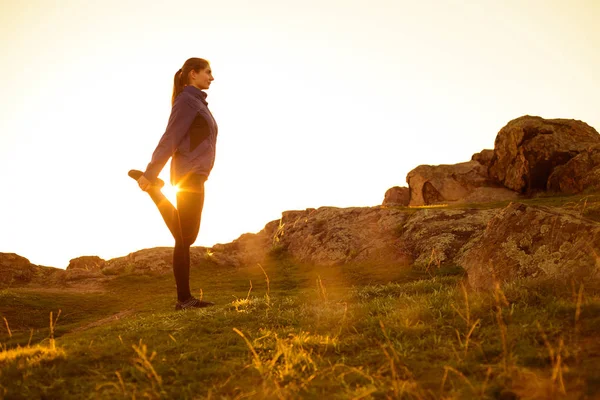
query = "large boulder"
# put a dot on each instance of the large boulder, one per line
(528, 149)
(466, 182)
(396, 196)
(87, 263)
(533, 241)
(85, 270)
(580, 173)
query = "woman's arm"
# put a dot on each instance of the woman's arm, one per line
(182, 115)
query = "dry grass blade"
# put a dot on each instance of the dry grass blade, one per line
(578, 306)
(52, 326)
(342, 324)
(555, 358)
(501, 301)
(7, 327)
(254, 353)
(468, 337)
(321, 287)
(466, 317)
(144, 363)
(461, 375)
(249, 290)
(268, 295)
(121, 383)
(443, 383)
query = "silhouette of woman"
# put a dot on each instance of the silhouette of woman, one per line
(190, 139)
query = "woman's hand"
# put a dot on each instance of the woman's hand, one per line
(143, 183)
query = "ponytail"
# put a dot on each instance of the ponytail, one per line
(182, 76)
(177, 85)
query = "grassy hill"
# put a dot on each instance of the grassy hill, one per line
(283, 330)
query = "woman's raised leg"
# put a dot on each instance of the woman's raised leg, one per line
(167, 211)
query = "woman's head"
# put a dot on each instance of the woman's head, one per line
(195, 72)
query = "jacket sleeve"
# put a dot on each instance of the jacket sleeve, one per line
(182, 115)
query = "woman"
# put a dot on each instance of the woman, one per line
(190, 139)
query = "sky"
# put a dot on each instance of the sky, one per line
(318, 102)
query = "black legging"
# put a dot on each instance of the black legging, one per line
(184, 224)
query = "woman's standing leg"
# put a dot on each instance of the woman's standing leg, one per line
(190, 201)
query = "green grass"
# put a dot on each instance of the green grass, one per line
(345, 332)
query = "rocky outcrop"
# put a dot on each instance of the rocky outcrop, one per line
(435, 237)
(532, 241)
(518, 241)
(580, 173)
(15, 269)
(528, 149)
(248, 249)
(466, 182)
(85, 268)
(371, 235)
(330, 235)
(18, 271)
(325, 236)
(397, 196)
(530, 154)
(484, 157)
(156, 260)
(87, 263)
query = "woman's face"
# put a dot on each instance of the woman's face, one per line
(202, 78)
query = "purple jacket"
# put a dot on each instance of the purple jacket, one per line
(190, 138)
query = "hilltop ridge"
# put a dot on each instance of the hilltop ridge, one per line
(527, 208)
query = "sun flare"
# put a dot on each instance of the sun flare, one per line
(170, 192)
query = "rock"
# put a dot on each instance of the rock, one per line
(248, 249)
(158, 259)
(325, 236)
(333, 236)
(370, 235)
(484, 157)
(486, 194)
(15, 269)
(435, 237)
(83, 274)
(18, 271)
(397, 196)
(457, 183)
(533, 241)
(528, 149)
(88, 263)
(580, 173)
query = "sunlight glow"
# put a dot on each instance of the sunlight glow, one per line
(170, 193)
